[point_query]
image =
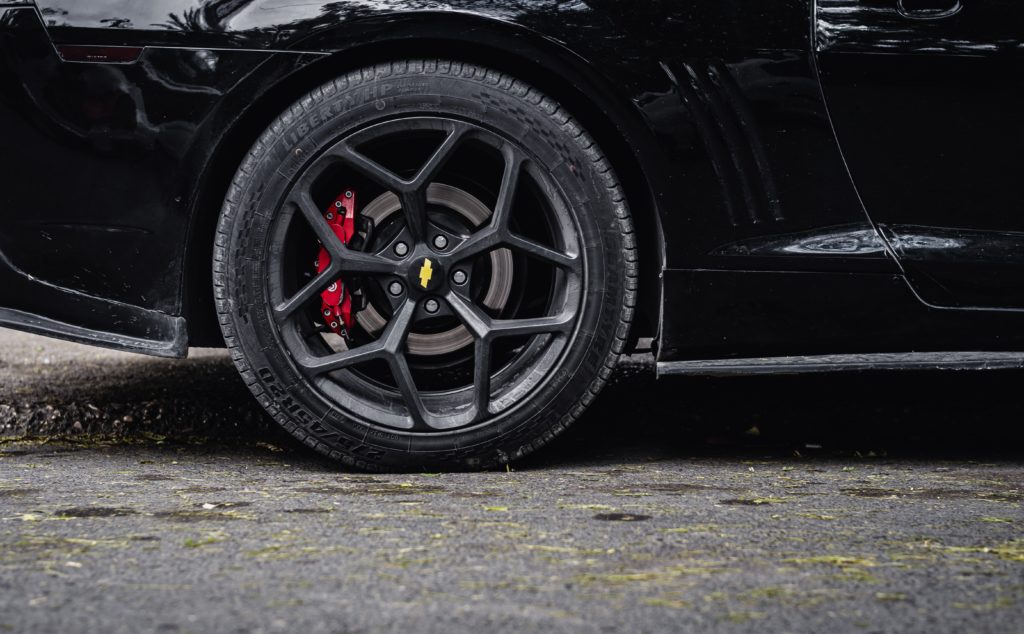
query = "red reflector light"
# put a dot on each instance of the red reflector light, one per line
(106, 54)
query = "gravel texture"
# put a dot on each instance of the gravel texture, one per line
(140, 495)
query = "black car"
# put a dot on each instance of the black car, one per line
(426, 231)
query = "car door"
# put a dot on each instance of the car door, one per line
(927, 100)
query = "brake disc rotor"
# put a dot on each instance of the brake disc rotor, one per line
(499, 286)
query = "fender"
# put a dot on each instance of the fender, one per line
(617, 121)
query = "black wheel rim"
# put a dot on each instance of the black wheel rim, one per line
(510, 356)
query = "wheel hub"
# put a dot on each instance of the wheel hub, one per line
(426, 275)
(498, 286)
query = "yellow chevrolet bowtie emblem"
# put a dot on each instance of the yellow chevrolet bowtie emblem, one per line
(426, 272)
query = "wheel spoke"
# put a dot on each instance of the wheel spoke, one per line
(384, 348)
(315, 171)
(475, 320)
(413, 193)
(497, 233)
(286, 309)
(346, 260)
(393, 344)
(439, 158)
(302, 200)
(410, 393)
(350, 261)
(481, 242)
(509, 184)
(493, 234)
(481, 378)
(340, 360)
(314, 218)
(483, 327)
(478, 324)
(393, 337)
(489, 238)
(368, 167)
(485, 330)
(533, 326)
(414, 207)
(541, 252)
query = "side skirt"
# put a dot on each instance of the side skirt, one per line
(846, 363)
(720, 314)
(170, 335)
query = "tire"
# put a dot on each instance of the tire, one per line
(374, 414)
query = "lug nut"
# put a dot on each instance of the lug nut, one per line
(440, 241)
(431, 306)
(348, 193)
(337, 204)
(395, 288)
(459, 277)
(401, 249)
(327, 312)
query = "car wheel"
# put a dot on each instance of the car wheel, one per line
(425, 265)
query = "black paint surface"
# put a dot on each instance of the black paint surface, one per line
(747, 135)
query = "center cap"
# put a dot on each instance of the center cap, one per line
(426, 274)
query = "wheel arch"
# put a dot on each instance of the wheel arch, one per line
(561, 74)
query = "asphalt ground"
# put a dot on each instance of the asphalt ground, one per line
(141, 494)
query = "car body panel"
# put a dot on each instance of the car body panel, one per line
(109, 156)
(715, 107)
(929, 109)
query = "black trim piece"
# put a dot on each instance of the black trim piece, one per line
(732, 138)
(100, 54)
(96, 320)
(847, 363)
(176, 346)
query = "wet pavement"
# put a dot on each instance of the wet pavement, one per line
(141, 494)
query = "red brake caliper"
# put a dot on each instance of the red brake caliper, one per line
(337, 300)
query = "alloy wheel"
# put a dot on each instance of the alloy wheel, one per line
(466, 274)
